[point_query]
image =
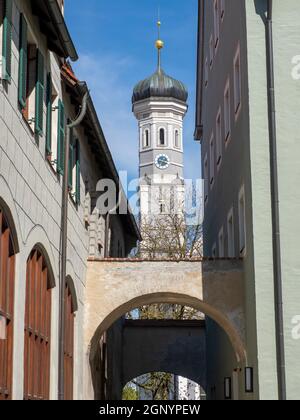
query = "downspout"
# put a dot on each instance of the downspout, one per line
(64, 238)
(279, 324)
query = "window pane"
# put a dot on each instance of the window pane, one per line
(162, 136)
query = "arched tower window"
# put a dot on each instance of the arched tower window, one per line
(69, 344)
(7, 279)
(162, 137)
(37, 328)
(177, 139)
(146, 138)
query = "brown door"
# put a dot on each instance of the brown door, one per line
(37, 329)
(7, 277)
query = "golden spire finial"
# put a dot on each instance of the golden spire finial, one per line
(159, 43)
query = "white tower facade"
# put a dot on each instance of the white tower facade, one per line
(159, 104)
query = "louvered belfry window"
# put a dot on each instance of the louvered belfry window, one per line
(37, 329)
(7, 278)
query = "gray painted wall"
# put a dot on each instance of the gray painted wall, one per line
(246, 162)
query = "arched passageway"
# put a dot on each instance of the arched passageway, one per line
(114, 288)
(162, 386)
(175, 346)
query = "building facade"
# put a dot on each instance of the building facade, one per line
(39, 93)
(234, 121)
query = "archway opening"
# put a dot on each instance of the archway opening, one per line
(109, 355)
(162, 386)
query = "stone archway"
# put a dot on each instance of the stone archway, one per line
(115, 287)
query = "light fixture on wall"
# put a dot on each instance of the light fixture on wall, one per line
(227, 388)
(249, 379)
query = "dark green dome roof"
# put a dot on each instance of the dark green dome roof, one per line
(160, 85)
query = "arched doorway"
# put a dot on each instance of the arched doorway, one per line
(8, 250)
(37, 326)
(70, 310)
(100, 343)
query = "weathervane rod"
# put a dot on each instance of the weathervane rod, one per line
(159, 44)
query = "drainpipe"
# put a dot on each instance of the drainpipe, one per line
(64, 238)
(279, 324)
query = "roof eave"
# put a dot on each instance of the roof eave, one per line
(49, 11)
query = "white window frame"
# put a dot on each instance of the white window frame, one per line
(237, 82)
(216, 23)
(227, 113)
(242, 221)
(221, 243)
(206, 178)
(219, 142)
(212, 158)
(230, 234)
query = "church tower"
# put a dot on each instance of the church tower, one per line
(160, 104)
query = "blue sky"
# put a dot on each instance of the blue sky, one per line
(115, 41)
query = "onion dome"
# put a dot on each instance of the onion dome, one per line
(159, 85)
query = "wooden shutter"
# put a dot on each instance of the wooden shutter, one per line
(7, 39)
(69, 345)
(23, 63)
(71, 162)
(7, 277)
(37, 329)
(61, 138)
(77, 192)
(39, 94)
(49, 116)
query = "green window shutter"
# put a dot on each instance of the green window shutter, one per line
(61, 138)
(71, 162)
(77, 192)
(7, 39)
(23, 62)
(39, 94)
(49, 116)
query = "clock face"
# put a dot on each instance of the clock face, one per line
(162, 161)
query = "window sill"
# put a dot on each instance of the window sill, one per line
(227, 139)
(73, 200)
(51, 165)
(238, 111)
(28, 125)
(217, 42)
(243, 252)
